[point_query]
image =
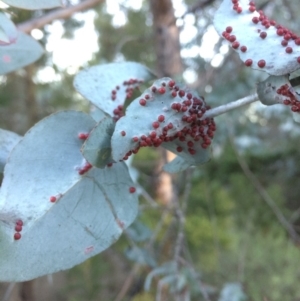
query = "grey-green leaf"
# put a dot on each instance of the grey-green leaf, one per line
(97, 83)
(23, 52)
(267, 89)
(8, 141)
(67, 216)
(97, 148)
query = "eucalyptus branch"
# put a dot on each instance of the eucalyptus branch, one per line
(62, 13)
(230, 106)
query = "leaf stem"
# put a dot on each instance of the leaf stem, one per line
(230, 106)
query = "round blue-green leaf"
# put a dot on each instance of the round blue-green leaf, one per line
(178, 164)
(23, 52)
(97, 148)
(97, 83)
(8, 31)
(137, 124)
(90, 212)
(278, 61)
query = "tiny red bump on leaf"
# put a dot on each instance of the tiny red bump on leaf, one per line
(170, 126)
(174, 106)
(263, 34)
(255, 20)
(189, 95)
(135, 139)
(174, 93)
(239, 10)
(298, 59)
(179, 149)
(109, 165)
(161, 118)
(228, 29)
(53, 199)
(147, 96)
(123, 133)
(17, 236)
(288, 49)
(83, 136)
(280, 32)
(155, 125)
(261, 63)
(284, 43)
(132, 189)
(243, 48)
(235, 45)
(161, 90)
(190, 143)
(252, 9)
(181, 93)
(248, 62)
(232, 38)
(18, 228)
(297, 41)
(153, 89)
(153, 134)
(142, 102)
(192, 151)
(19, 222)
(171, 83)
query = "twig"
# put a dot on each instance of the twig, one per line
(265, 196)
(180, 214)
(230, 106)
(63, 13)
(8, 292)
(128, 282)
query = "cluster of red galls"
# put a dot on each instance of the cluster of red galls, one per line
(18, 229)
(291, 99)
(286, 34)
(195, 131)
(130, 85)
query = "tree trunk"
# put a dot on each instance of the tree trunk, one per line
(167, 49)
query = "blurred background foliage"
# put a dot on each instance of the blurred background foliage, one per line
(231, 232)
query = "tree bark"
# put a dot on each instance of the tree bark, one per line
(166, 38)
(169, 63)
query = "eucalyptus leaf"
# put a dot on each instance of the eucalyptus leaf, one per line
(178, 164)
(97, 147)
(267, 89)
(232, 292)
(141, 256)
(263, 43)
(67, 216)
(23, 52)
(152, 120)
(34, 4)
(8, 31)
(98, 83)
(8, 141)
